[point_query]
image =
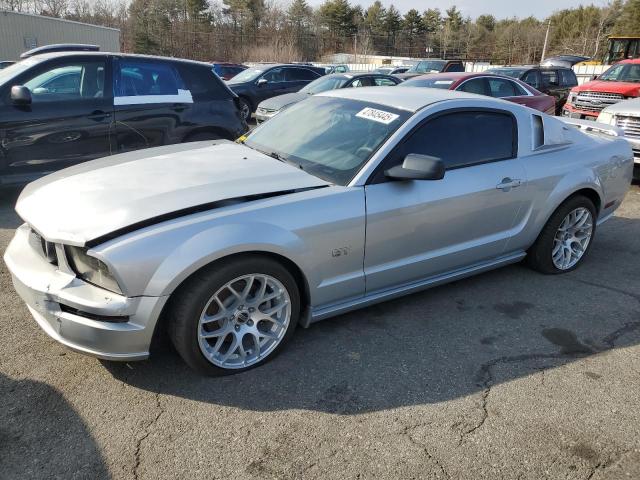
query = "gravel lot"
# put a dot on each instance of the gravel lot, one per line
(510, 374)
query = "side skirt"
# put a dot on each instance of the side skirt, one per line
(317, 314)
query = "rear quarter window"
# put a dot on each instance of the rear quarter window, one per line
(203, 84)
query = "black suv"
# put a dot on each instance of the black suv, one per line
(59, 109)
(554, 81)
(263, 81)
(432, 65)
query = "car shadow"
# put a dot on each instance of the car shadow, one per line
(433, 346)
(8, 217)
(31, 442)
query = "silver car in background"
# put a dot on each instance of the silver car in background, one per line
(626, 116)
(348, 198)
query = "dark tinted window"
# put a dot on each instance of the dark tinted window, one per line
(362, 82)
(549, 78)
(464, 138)
(300, 74)
(69, 81)
(568, 78)
(532, 79)
(500, 88)
(274, 76)
(454, 67)
(475, 85)
(203, 84)
(147, 78)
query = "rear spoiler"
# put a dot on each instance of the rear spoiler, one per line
(589, 126)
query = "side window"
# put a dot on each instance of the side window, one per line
(454, 67)
(274, 76)
(465, 138)
(341, 69)
(475, 85)
(531, 78)
(519, 89)
(549, 78)
(73, 81)
(300, 74)
(362, 82)
(384, 82)
(568, 78)
(501, 87)
(137, 79)
(202, 83)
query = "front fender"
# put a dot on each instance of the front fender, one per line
(218, 242)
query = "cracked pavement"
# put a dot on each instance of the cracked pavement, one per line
(507, 375)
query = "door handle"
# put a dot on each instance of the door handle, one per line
(99, 115)
(508, 183)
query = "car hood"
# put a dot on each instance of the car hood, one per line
(281, 101)
(80, 204)
(629, 89)
(626, 107)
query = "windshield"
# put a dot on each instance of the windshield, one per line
(247, 75)
(431, 66)
(509, 72)
(331, 138)
(622, 72)
(324, 83)
(6, 74)
(429, 82)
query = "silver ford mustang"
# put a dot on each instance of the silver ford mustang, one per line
(346, 199)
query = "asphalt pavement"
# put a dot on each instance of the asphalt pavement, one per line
(507, 375)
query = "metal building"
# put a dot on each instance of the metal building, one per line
(20, 32)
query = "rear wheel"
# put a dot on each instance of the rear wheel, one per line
(245, 109)
(235, 315)
(566, 238)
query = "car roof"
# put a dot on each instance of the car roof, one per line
(411, 99)
(630, 60)
(49, 56)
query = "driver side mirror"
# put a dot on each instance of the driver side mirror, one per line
(261, 81)
(417, 167)
(20, 95)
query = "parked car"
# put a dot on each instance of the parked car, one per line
(263, 81)
(348, 198)
(490, 85)
(391, 70)
(626, 116)
(341, 68)
(272, 106)
(432, 65)
(227, 71)
(554, 81)
(5, 63)
(59, 109)
(620, 82)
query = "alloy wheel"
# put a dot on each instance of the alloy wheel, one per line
(244, 321)
(572, 238)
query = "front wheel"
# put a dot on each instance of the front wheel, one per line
(566, 238)
(235, 315)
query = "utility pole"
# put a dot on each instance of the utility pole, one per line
(546, 39)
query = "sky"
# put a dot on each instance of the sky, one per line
(473, 8)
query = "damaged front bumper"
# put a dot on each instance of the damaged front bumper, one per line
(79, 315)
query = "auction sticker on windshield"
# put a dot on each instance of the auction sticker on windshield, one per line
(377, 115)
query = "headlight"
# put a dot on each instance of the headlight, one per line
(606, 117)
(571, 98)
(90, 269)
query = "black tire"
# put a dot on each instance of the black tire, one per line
(187, 304)
(539, 256)
(202, 136)
(245, 109)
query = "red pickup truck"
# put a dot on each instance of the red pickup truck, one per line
(620, 82)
